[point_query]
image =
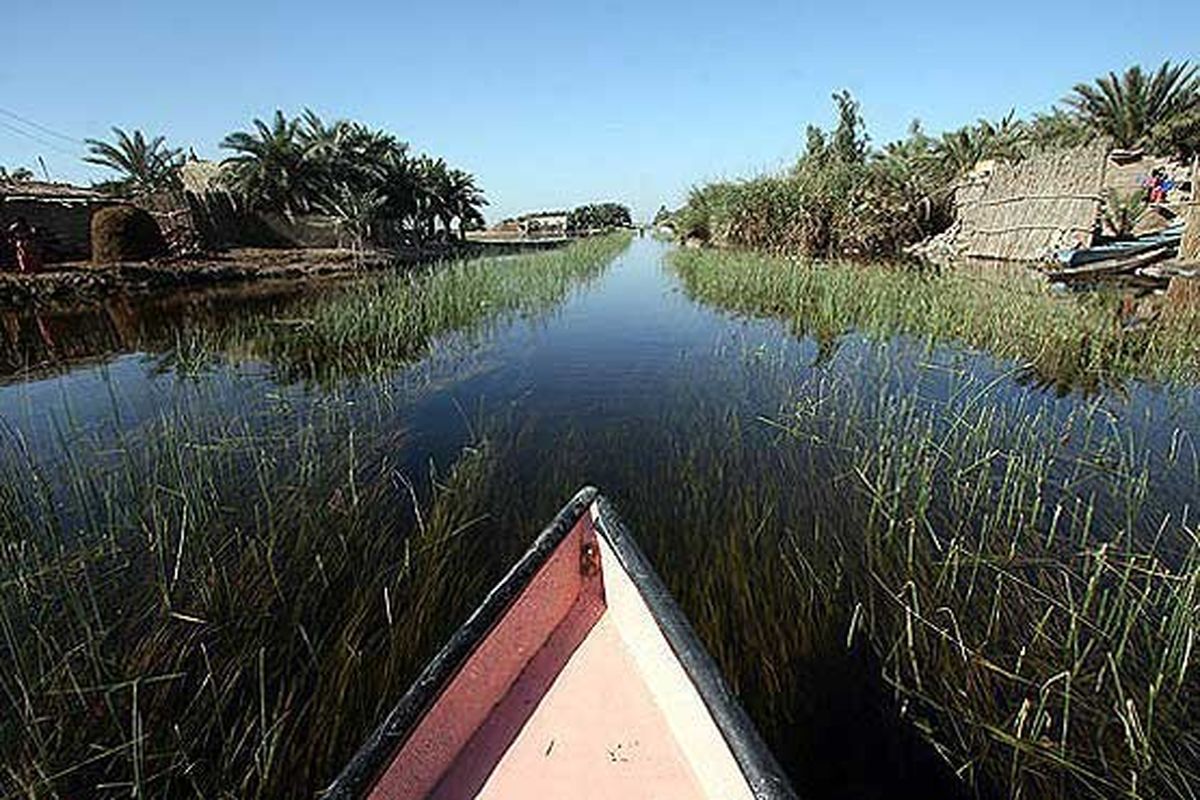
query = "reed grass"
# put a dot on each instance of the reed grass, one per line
(220, 610)
(1022, 571)
(224, 601)
(1069, 342)
(945, 556)
(376, 326)
(1028, 591)
(908, 548)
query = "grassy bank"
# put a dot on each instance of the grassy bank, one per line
(376, 326)
(1066, 341)
(847, 198)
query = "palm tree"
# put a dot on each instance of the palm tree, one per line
(1058, 128)
(355, 212)
(959, 151)
(360, 177)
(1127, 107)
(465, 199)
(269, 170)
(432, 195)
(145, 165)
(400, 184)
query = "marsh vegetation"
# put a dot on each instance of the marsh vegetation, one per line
(381, 324)
(845, 198)
(223, 600)
(924, 574)
(1072, 342)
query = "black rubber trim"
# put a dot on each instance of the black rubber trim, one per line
(767, 779)
(361, 773)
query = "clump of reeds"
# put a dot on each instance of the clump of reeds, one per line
(1066, 341)
(840, 200)
(1029, 591)
(217, 608)
(373, 327)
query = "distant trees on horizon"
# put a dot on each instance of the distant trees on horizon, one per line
(599, 215)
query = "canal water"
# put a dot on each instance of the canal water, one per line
(681, 413)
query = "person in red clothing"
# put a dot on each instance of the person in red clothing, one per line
(25, 243)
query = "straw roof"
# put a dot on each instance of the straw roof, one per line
(50, 192)
(202, 177)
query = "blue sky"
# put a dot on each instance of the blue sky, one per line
(555, 103)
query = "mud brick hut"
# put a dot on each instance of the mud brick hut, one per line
(62, 214)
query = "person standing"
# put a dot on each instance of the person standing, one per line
(24, 239)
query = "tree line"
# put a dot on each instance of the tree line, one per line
(599, 215)
(366, 180)
(844, 197)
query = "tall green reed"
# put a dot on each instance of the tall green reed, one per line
(371, 328)
(1069, 342)
(218, 609)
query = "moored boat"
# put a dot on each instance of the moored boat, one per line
(578, 676)
(1082, 256)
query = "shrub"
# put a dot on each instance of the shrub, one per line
(842, 199)
(1178, 136)
(599, 215)
(125, 233)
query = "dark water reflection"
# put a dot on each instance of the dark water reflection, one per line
(630, 386)
(41, 343)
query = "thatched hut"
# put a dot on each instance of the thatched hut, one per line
(221, 221)
(1025, 210)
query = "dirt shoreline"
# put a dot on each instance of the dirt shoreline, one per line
(62, 285)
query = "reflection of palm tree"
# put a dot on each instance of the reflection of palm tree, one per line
(145, 165)
(47, 339)
(12, 328)
(123, 321)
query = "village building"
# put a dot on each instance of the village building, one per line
(1044, 207)
(60, 212)
(219, 220)
(534, 225)
(543, 224)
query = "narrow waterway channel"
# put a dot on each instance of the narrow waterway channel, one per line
(727, 443)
